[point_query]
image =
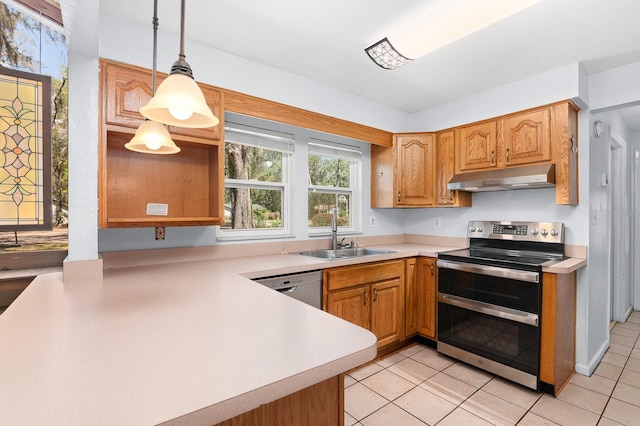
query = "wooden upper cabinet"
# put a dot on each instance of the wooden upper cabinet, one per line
(564, 151)
(146, 190)
(477, 147)
(525, 138)
(128, 88)
(415, 169)
(445, 169)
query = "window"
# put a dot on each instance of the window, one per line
(25, 151)
(257, 189)
(334, 182)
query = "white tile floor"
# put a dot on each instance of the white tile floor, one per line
(418, 386)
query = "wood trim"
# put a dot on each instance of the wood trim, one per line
(275, 111)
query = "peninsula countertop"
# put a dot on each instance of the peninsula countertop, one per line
(190, 342)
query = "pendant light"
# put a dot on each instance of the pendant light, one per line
(179, 101)
(152, 137)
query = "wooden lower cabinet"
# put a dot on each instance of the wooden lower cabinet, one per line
(558, 334)
(426, 291)
(321, 404)
(387, 311)
(411, 308)
(370, 295)
(351, 305)
(420, 303)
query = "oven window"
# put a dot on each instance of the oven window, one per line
(509, 293)
(507, 342)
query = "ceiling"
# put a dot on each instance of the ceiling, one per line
(325, 41)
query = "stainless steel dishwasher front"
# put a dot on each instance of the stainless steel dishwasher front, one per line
(304, 286)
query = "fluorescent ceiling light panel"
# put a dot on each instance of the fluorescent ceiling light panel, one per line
(441, 24)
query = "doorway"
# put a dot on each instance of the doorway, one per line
(619, 242)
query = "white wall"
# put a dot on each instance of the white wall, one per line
(221, 69)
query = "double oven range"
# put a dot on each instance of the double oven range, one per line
(490, 296)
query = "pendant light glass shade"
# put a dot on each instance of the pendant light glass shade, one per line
(179, 102)
(152, 138)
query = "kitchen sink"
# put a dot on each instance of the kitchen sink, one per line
(344, 253)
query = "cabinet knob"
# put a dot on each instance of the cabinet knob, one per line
(375, 294)
(493, 157)
(364, 299)
(508, 159)
(398, 196)
(433, 269)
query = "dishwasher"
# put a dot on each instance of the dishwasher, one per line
(304, 286)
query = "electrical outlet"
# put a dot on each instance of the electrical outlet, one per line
(159, 232)
(436, 222)
(372, 221)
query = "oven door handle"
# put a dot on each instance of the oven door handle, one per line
(489, 309)
(494, 271)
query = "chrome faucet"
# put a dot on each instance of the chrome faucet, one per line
(334, 230)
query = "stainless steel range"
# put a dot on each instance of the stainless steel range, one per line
(489, 296)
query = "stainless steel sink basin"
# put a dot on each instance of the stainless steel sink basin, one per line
(344, 253)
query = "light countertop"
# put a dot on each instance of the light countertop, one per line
(192, 342)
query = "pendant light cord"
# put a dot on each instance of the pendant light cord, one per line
(181, 66)
(181, 54)
(155, 46)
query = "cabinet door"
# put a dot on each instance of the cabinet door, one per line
(351, 305)
(526, 138)
(387, 313)
(426, 277)
(477, 147)
(445, 169)
(411, 297)
(415, 171)
(126, 88)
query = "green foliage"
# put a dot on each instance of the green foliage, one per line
(59, 148)
(324, 171)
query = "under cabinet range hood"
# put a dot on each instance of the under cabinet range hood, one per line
(522, 177)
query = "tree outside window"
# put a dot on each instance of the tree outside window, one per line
(333, 180)
(257, 165)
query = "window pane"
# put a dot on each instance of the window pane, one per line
(251, 163)
(325, 171)
(321, 204)
(246, 208)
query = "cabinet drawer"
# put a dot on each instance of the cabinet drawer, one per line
(349, 276)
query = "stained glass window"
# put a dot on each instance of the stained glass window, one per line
(25, 151)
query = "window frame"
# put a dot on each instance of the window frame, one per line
(352, 154)
(267, 139)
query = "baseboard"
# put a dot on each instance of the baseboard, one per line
(588, 369)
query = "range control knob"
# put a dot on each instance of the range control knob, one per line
(554, 231)
(534, 231)
(543, 232)
(480, 229)
(472, 229)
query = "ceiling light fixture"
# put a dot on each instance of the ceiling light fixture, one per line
(441, 24)
(152, 137)
(179, 101)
